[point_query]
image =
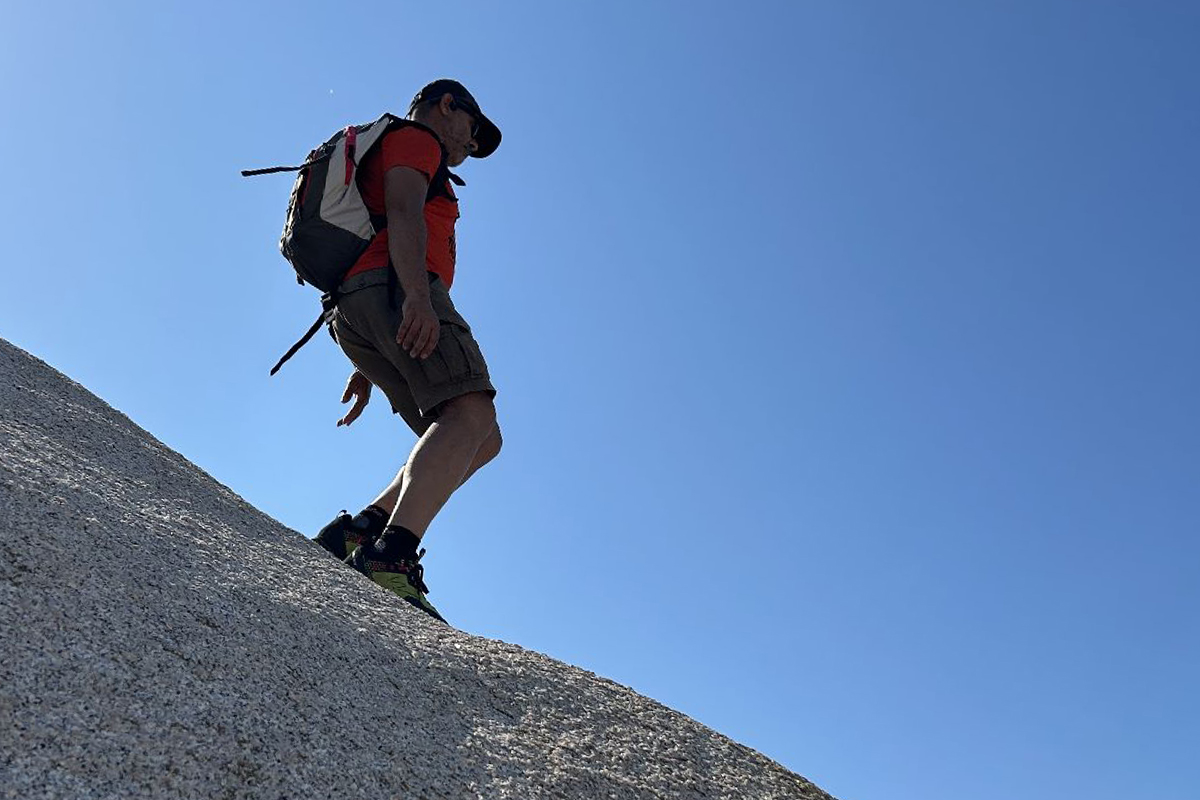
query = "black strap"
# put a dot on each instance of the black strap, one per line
(246, 173)
(328, 306)
(249, 172)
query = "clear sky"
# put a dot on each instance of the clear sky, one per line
(847, 351)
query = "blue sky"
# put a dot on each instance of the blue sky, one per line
(847, 352)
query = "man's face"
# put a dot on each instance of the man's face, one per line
(460, 134)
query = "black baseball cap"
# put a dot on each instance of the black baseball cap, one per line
(488, 138)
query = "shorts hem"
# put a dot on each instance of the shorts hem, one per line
(449, 391)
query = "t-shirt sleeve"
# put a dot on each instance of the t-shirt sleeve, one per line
(412, 147)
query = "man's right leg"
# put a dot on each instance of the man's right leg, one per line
(453, 385)
(441, 462)
(345, 533)
(490, 448)
(443, 459)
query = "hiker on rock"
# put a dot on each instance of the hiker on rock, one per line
(396, 323)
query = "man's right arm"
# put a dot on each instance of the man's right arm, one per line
(404, 190)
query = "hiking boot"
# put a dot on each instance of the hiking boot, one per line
(345, 533)
(399, 574)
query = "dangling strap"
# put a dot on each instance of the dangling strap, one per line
(328, 306)
(249, 172)
(246, 173)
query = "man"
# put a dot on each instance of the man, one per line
(397, 325)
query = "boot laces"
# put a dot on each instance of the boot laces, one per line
(416, 573)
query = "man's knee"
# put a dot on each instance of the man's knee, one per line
(491, 445)
(475, 410)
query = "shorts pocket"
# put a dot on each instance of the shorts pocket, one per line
(477, 366)
(443, 306)
(455, 359)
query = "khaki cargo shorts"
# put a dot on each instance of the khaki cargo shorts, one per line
(365, 326)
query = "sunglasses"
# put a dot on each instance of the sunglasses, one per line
(456, 105)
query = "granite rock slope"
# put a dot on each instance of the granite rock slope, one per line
(159, 637)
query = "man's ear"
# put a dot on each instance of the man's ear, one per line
(446, 104)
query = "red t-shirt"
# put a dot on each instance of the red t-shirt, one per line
(416, 148)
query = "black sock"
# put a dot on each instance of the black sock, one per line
(371, 520)
(398, 542)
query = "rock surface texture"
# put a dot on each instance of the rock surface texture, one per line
(161, 638)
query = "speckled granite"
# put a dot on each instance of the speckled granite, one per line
(160, 638)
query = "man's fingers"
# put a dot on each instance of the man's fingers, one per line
(428, 344)
(420, 342)
(354, 412)
(431, 344)
(409, 344)
(418, 334)
(405, 333)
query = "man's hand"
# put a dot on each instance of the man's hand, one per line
(420, 328)
(360, 388)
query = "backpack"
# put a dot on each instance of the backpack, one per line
(328, 226)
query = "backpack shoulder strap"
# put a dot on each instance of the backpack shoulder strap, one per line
(437, 184)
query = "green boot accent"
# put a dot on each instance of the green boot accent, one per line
(403, 577)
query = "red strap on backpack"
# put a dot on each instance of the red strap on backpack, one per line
(351, 141)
